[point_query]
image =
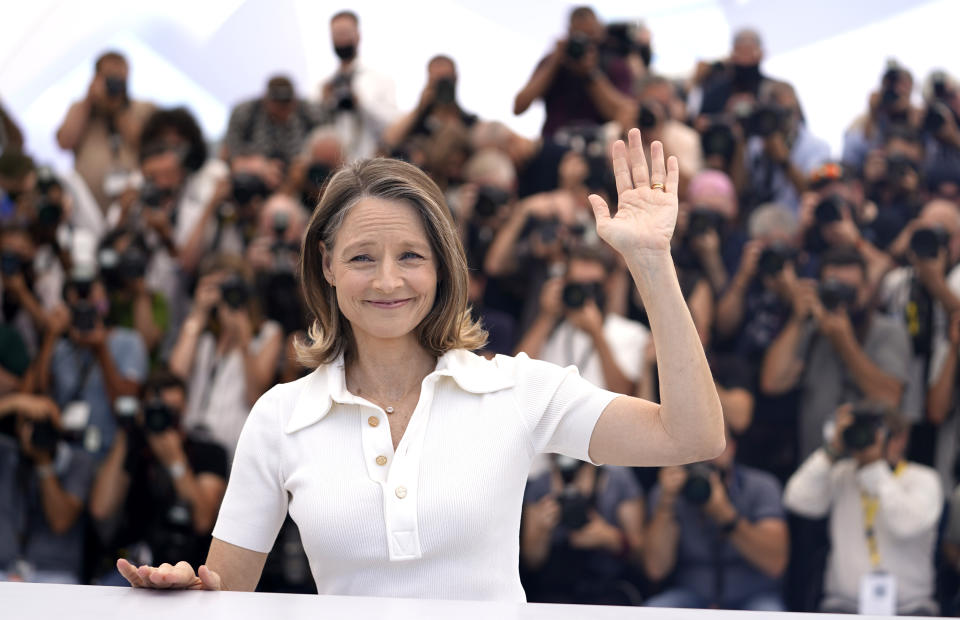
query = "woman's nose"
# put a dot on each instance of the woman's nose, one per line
(388, 276)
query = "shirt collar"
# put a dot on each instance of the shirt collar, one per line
(327, 385)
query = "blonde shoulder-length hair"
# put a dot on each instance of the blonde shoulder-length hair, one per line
(448, 325)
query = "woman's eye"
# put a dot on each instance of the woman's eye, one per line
(410, 255)
(360, 258)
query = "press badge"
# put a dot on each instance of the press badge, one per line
(878, 594)
(75, 416)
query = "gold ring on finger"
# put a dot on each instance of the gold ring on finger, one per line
(657, 186)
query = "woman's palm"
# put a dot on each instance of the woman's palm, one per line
(646, 216)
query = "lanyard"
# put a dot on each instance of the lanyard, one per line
(871, 504)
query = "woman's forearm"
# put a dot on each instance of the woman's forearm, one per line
(689, 405)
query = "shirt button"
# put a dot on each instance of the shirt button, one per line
(401, 492)
(381, 460)
(373, 421)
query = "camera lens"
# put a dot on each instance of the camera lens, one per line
(575, 295)
(696, 489)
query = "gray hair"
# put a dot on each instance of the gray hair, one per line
(770, 218)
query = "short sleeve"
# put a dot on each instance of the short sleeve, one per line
(892, 350)
(129, 354)
(255, 504)
(766, 502)
(560, 406)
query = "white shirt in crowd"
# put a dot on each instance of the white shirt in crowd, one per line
(910, 504)
(360, 130)
(627, 340)
(438, 518)
(894, 297)
(217, 401)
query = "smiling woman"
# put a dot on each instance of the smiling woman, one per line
(403, 456)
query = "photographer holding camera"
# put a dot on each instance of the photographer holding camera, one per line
(941, 120)
(578, 85)
(226, 353)
(720, 530)
(44, 481)
(274, 125)
(657, 96)
(581, 534)
(781, 151)
(889, 107)
(103, 130)
(862, 482)
(157, 493)
(360, 101)
(835, 347)
(575, 328)
(739, 75)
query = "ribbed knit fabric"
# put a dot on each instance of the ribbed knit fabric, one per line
(442, 518)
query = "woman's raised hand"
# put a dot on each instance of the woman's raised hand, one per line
(166, 577)
(647, 201)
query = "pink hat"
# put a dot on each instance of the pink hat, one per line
(712, 188)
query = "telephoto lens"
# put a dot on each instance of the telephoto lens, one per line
(697, 489)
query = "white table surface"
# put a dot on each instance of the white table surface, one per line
(28, 601)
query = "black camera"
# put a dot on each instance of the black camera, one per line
(888, 86)
(489, 200)
(926, 243)
(317, 173)
(576, 294)
(10, 263)
(573, 505)
(834, 294)
(234, 292)
(697, 489)
(898, 166)
(765, 120)
(547, 229)
(862, 433)
(773, 258)
(154, 197)
(118, 269)
(647, 118)
(445, 91)
(343, 91)
(125, 408)
(44, 437)
(247, 186)
(703, 220)
(157, 416)
(84, 316)
(829, 210)
(116, 87)
(49, 213)
(718, 139)
(577, 46)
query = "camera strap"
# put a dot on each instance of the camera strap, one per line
(82, 377)
(871, 504)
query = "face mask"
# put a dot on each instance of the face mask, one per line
(746, 77)
(345, 52)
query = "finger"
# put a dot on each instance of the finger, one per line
(600, 209)
(673, 174)
(129, 572)
(638, 161)
(658, 171)
(183, 574)
(621, 168)
(161, 577)
(210, 579)
(146, 575)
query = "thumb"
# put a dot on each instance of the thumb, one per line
(210, 579)
(600, 209)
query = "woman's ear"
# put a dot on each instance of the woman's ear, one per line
(326, 262)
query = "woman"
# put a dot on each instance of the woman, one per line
(385, 275)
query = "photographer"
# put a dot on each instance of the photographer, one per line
(360, 100)
(581, 533)
(574, 327)
(719, 528)
(889, 108)
(438, 123)
(273, 125)
(781, 152)
(892, 180)
(323, 154)
(158, 491)
(657, 96)
(44, 482)
(227, 222)
(835, 347)
(226, 353)
(860, 480)
(740, 75)
(20, 306)
(103, 130)
(707, 239)
(11, 138)
(578, 85)
(941, 122)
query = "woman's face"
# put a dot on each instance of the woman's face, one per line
(383, 269)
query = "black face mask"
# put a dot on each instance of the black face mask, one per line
(345, 52)
(746, 77)
(646, 54)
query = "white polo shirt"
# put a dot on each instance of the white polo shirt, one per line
(440, 518)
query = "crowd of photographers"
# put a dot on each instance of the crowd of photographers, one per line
(150, 296)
